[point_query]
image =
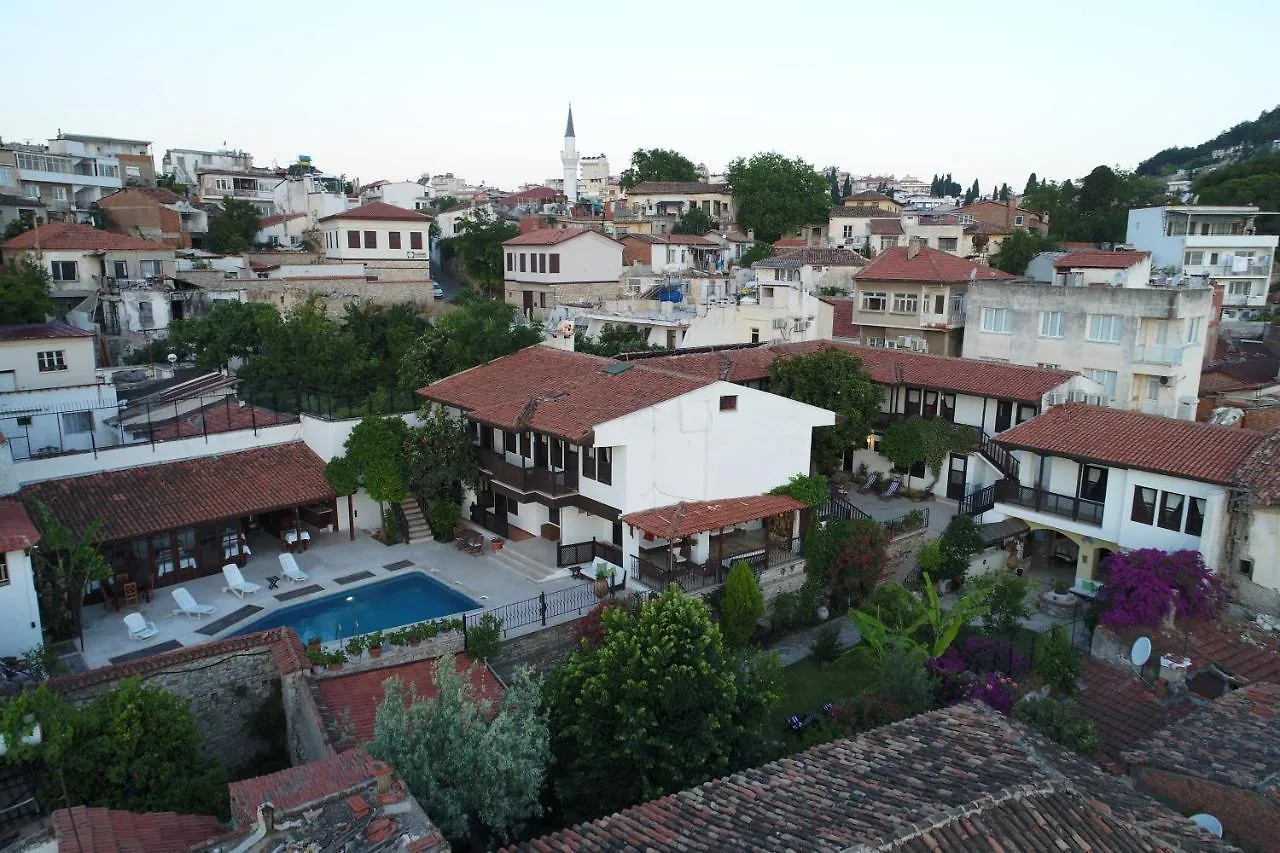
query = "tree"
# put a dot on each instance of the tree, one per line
(1031, 184)
(1056, 661)
(476, 766)
(169, 181)
(439, 459)
(479, 246)
(809, 489)
(742, 607)
(1004, 192)
(847, 189)
(940, 626)
(479, 331)
(927, 440)
(757, 252)
(960, 541)
(848, 556)
(443, 202)
(833, 379)
(230, 330)
(614, 339)
(232, 231)
(17, 225)
(1005, 596)
(833, 181)
(373, 454)
(65, 562)
(695, 220)
(1018, 249)
(776, 195)
(1149, 587)
(26, 294)
(658, 164)
(692, 711)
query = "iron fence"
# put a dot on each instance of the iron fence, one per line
(546, 606)
(581, 553)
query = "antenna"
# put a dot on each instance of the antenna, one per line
(1209, 823)
(1141, 652)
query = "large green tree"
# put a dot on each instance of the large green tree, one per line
(230, 330)
(832, 379)
(65, 562)
(661, 697)
(480, 330)
(927, 440)
(1255, 181)
(25, 293)
(372, 458)
(1018, 249)
(479, 248)
(232, 230)
(476, 765)
(695, 220)
(658, 164)
(440, 458)
(1094, 209)
(776, 195)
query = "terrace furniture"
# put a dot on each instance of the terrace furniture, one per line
(289, 565)
(131, 594)
(873, 480)
(140, 628)
(236, 583)
(188, 606)
(295, 537)
(165, 564)
(894, 485)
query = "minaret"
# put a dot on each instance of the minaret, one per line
(569, 157)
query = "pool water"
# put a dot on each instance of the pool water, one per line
(373, 607)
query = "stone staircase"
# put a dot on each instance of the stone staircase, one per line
(416, 529)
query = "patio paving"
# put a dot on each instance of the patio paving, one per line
(331, 560)
(941, 510)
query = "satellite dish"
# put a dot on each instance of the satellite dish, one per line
(1208, 822)
(1141, 651)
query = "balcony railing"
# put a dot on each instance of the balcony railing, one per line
(1239, 298)
(660, 569)
(581, 553)
(528, 479)
(999, 456)
(1041, 500)
(1155, 354)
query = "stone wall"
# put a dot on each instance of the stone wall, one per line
(785, 578)
(543, 650)
(336, 293)
(447, 643)
(305, 729)
(1255, 596)
(900, 559)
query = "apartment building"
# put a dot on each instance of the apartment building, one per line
(1212, 243)
(873, 198)
(1005, 214)
(185, 163)
(410, 195)
(593, 181)
(1102, 316)
(74, 172)
(664, 202)
(549, 266)
(156, 214)
(849, 226)
(376, 232)
(254, 185)
(671, 253)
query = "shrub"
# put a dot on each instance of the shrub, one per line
(902, 679)
(1005, 596)
(484, 639)
(810, 490)
(390, 524)
(866, 712)
(990, 654)
(960, 541)
(743, 605)
(996, 690)
(590, 627)
(894, 605)
(849, 557)
(1057, 662)
(786, 612)
(826, 645)
(1060, 721)
(951, 677)
(1146, 586)
(442, 518)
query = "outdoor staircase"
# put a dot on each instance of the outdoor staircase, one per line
(416, 528)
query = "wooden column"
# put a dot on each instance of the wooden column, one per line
(351, 519)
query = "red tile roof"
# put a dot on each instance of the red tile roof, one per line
(298, 786)
(1127, 439)
(161, 195)
(142, 501)
(213, 418)
(688, 517)
(380, 211)
(531, 196)
(550, 236)
(929, 265)
(1238, 649)
(17, 531)
(268, 221)
(1259, 473)
(355, 697)
(886, 227)
(68, 236)
(860, 212)
(869, 195)
(565, 394)
(790, 243)
(1123, 709)
(842, 325)
(1100, 260)
(98, 830)
(678, 188)
(39, 331)
(815, 256)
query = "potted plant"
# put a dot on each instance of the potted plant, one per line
(495, 543)
(313, 643)
(355, 646)
(398, 637)
(416, 633)
(373, 643)
(335, 659)
(601, 586)
(318, 657)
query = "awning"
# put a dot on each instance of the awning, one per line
(685, 518)
(999, 532)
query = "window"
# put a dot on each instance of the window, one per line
(1153, 388)
(120, 269)
(415, 242)
(948, 244)
(875, 301)
(1053, 324)
(1213, 259)
(1240, 288)
(939, 304)
(145, 318)
(888, 243)
(353, 239)
(767, 292)
(132, 172)
(509, 442)
(59, 193)
(77, 422)
(997, 320)
(4, 571)
(847, 232)
(1093, 483)
(1195, 516)
(589, 463)
(371, 239)
(1193, 259)
(522, 262)
(222, 183)
(152, 269)
(554, 266)
(906, 303)
(1017, 220)
(729, 403)
(1105, 378)
(1105, 328)
(1144, 505)
(393, 239)
(553, 515)
(65, 271)
(1171, 511)
(511, 261)
(755, 335)
(1048, 365)
(1246, 568)
(542, 262)
(604, 465)
(51, 360)
(1193, 330)
(33, 191)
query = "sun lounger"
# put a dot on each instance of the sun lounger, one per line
(289, 565)
(870, 485)
(139, 627)
(894, 485)
(236, 582)
(188, 606)
(798, 723)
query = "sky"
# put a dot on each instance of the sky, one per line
(382, 89)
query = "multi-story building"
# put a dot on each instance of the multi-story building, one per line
(156, 214)
(872, 198)
(313, 194)
(593, 182)
(29, 210)
(1004, 214)
(377, 232)
(72, 172)
(549, 266)
(914, 297)
(410, 195)
(1213, 243)
(1101, 316)
(448, 184)
(821, 271)
(185, 163)
(666, 200)
(137, 165)
(255, 185)
(80, 259)
(850, 225)
(672, 253)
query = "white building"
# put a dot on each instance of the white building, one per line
(595, 183)
(1216, 243)
(72, 172)
(283, 230)
(315, 195)
(410, 195)
(255, 185)
(849, 226)
(440, 186)
(185, 163)
(569, 159)
(20, 630)
(669, 199)
(1253, 539)
(818, 271)
(376, 232)
(1101, 316)
(82, 260)
(550, 266)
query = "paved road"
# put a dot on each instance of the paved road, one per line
(450, 284)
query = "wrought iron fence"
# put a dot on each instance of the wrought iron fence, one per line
(546, 606)
(581, 553)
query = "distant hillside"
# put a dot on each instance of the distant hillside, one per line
(1252, 137)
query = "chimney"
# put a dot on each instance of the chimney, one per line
(1009, 207)
(913, 247)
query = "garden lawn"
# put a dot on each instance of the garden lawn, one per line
(807, 686)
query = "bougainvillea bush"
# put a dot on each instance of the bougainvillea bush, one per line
(997, 690)
(1146, 586)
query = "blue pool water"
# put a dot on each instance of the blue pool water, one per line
(373, 607)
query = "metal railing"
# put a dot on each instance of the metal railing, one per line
(662, 569)
(908, 522)
(1155, 354)
(546, 607)
(999, 456)
(581, 553)
(528, 479)
(1041, 500)
(976, 503)
(838, 507)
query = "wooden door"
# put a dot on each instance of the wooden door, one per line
(957, 474)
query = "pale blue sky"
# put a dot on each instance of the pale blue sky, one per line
(392, 89)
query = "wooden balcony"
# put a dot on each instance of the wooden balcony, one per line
(1042, 500)
(530, 479)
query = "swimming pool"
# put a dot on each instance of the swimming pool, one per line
(373, 607)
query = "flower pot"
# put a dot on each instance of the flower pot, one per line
(335, 665)
(375, 652)
(600, 588)
(496, 543)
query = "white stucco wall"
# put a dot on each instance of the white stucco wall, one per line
(334, 239)
(591, 257)
(20, 629)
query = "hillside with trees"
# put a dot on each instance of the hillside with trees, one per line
(1253, 137)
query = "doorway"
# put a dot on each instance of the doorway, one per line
(957, 474)
(1004, 415)
(528, 300)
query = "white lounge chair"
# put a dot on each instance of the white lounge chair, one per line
(236, 582)
(139, 627)
(289, 565)
(187, 604)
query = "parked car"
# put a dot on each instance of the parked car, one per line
(437, 291)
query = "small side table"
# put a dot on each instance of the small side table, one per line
(273, 581)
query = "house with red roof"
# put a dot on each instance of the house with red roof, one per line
(82, 260)
(18, 536)
(377, 231)
(547, 267)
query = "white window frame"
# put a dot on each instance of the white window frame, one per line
(55, 268)
(77, 423)
(1105, 328)
(51, 361)
(1193, 259)
(1240, 288)
(906, 303)
(990, 324)
(847, 231)
(156, 267)
(33, 192)
(1017, 220)
(59, 193)
(1053, 324)
(1193, 329)
(1153, 388)
(1105, 378)
(880, 296)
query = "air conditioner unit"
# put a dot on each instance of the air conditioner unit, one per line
(779, 322)
(802, 326)
(1164, 380)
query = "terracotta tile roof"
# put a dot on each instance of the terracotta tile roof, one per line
(1260, 470)
(860, 212)
(1233, 741)
(380, 211)
(986, 228)
(868, 195)
(963, 778)
(1100, 260)
(1123, 709)
(97, 830)
(565, 394)
(678, 188)
(687, 517)
(886, 227)
(214, 418)
(17, 530)
(68, 236)
(929, 265)
(1128, 439)
(268, 221)
(842, 325)
(1239, 650)
(815, 256)
(1263, 420)
(298, 786)
(531, 196)
(160, 195)
(790, 243)
(141, 501)
(39, 331)
(549, 236)
(359, 693)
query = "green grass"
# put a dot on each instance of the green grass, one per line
(807, 686)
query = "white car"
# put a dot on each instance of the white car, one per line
(437, 291)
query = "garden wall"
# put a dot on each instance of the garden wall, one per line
(785, 578)
(900, 556)
(544, 650)
(447, 643)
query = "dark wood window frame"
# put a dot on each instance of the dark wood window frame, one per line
(371, 239)
(1167, 518)
(1143, 510)
(415, 239)
(353, 239)
(393, 239)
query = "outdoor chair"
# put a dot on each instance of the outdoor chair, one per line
(139, 627)
(894, 485)
(873, 480)
(236, 583)
(188, 606)
(289, 565)
(131, 594)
